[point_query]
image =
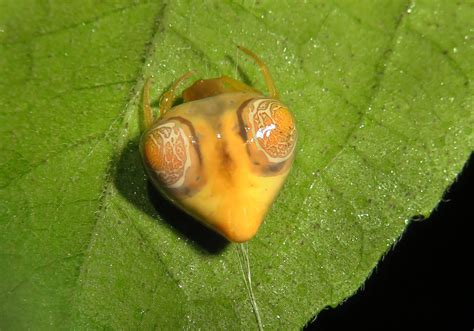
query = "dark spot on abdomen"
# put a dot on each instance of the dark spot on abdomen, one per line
(226, 163)
(242, 131)
(273, 168)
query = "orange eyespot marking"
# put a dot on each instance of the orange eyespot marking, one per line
(172, 156)
(167, 153)
(269, 131)
(273, 129)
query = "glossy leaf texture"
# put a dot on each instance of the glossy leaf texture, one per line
(382, 94)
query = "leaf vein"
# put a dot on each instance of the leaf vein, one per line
(381, 67)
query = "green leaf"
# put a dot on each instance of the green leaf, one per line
(382, 93)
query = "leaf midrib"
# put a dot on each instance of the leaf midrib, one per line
(122, 137)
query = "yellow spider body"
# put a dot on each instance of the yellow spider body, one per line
(222, 155)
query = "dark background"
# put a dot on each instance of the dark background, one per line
(426, 281)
